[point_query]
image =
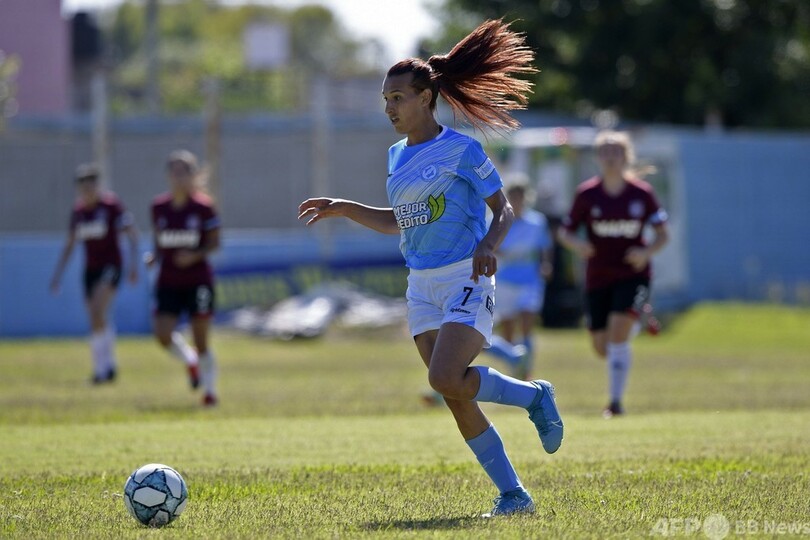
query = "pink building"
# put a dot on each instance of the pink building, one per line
(36, 32)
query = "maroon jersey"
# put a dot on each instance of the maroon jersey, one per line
(614, 224)
(98, 227)
(183, 228)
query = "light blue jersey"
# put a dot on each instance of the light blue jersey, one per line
(519, 253)
(437, 190)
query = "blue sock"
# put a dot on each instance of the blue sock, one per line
(498, 388)
(488, 448)
(502, 349)
(528, 342)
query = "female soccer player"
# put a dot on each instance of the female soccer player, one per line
(439, 185)
(97, 220)
(525, 265)
(186, 228)
(614, 208)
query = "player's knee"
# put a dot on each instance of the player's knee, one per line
(164, 339)
(445, 382)
(599, 342)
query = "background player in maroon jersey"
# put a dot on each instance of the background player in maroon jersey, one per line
(186, 230)
(614, 208)
(97, 219)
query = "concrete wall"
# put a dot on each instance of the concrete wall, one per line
(267, 167)
(742, 209)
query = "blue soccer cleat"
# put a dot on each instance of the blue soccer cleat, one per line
(546, 417)
(517, 501)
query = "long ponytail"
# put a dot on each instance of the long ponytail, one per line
(476, 77)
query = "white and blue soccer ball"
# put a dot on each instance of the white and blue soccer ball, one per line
(155, 494)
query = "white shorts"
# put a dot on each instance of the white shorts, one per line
(514, 299)
(447, 294)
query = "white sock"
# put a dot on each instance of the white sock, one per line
(619, 359)
(109, 347)
(97, 345)
(208, 373)
(182, 350)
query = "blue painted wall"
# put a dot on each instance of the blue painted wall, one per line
(748, 216)
(259, 265)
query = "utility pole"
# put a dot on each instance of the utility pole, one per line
(99, 114)
(213, 142)
(152, 47)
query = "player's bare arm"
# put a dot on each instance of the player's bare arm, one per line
(132, 235)
(150, 258)
(485, 262)
(378, 219)
(583, 248)
(63, 259)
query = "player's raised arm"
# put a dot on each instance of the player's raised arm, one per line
(379, 219)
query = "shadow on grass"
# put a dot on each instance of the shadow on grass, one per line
(422, 524)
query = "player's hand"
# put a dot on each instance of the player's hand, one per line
(185, 258)
(585, 250)
(314, 210)
(637, 257)
(484, 263)
(149, 259)
(546, 270)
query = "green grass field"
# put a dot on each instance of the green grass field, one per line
(328, 438)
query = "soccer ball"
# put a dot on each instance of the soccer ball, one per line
(155, 494)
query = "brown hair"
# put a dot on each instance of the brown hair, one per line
(189, 159)
(476, 76)
(186, 158)
(623, 139)
(87, 171)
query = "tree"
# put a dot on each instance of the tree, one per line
(742, 62)
(201, 39)
(9, 65)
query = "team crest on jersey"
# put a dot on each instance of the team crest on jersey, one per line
(429, 172)
(636, 209)
(485, 169)
(596, 212)
(420, 213)
(193, 222)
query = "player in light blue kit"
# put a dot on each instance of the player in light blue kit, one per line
(439, 185)
(524, 259)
